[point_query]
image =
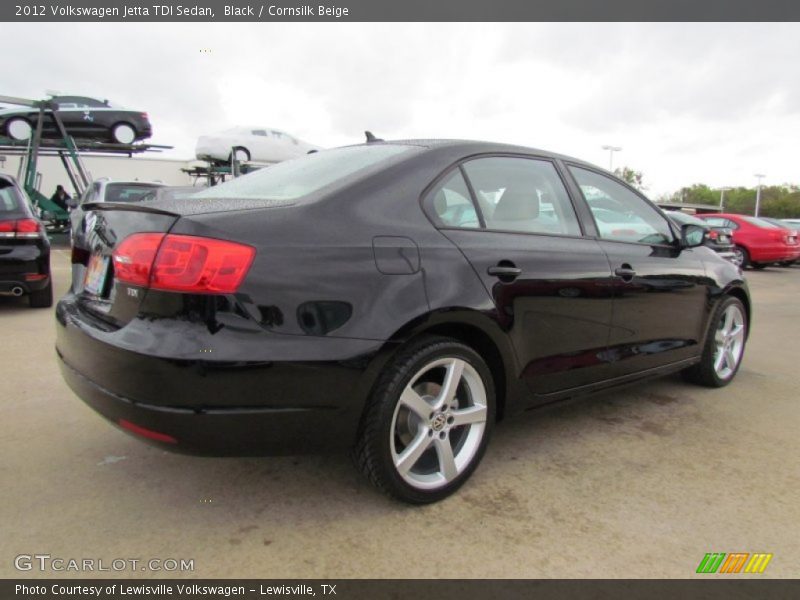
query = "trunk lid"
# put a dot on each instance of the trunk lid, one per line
(99, 293)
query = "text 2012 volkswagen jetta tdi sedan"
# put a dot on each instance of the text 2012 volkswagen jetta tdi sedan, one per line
(394, 298)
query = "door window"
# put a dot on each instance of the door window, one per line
(522, 195)
(620, 214)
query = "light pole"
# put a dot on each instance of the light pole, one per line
(722, 191)
(611, 150)
(758, 176)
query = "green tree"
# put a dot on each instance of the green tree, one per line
(630, 176)
(777, 201)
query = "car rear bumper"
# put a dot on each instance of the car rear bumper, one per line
(219, 408)
(246, 431)
(774, 253)
(9, 285)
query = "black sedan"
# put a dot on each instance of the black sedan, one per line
(394, 298)
(83, 118)
(719, 239)
(24, 248)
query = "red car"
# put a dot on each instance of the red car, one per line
(758, 242)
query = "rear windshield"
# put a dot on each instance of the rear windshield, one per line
(9, 197)
(685, 219)
(760, 223)
(305, 175)
(128, 192)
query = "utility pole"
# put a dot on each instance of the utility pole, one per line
(722, 191)
(611, 150)
(758, 176)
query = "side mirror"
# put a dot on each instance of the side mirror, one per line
(692, 236)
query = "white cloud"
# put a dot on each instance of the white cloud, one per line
(687, 102)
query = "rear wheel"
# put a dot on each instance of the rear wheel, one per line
(741, 257)
(42, 298)
(724, 347)
(428, 422)
(123, 133)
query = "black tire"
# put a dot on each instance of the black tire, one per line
(239, 149)
(42, 298)
(745, 256)
(759, 266)
(373, 453)
(704, 373)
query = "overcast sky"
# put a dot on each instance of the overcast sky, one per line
(688, 103)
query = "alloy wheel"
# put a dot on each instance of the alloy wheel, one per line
(729, 339)
(438, 423)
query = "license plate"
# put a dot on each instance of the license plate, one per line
(96, 274)
(723, 239)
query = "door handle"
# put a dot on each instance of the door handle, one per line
(505, 272)
(625, 272)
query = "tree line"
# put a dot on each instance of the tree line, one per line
(777, 201)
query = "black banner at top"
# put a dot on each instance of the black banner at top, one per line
(397, 10)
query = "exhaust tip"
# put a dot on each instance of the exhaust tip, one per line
(17, 291)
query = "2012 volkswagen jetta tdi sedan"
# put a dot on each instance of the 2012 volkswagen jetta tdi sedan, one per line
(392, 298)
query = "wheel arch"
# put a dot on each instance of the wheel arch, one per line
(741, 294)
(477, 331)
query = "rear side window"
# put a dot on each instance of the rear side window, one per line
(302, 176)
(760, 223)
(452, 203)
(521, 195)
(9, 197)
(620, 214)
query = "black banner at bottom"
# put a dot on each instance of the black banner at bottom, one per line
(400, 589)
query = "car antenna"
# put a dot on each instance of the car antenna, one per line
(371, 137)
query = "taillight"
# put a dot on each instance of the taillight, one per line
(20, 229)
(133, 258)
(28, 228)
(187, 263)
(713, 235)
(182, 263)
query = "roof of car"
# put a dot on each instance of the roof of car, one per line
(479, 146)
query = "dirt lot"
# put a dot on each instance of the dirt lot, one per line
(638, 483)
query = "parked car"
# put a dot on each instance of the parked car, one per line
(758, 242)
(102, 190)
(784, 225)
(719, 239)
(24, 248)
(256, 144)
(171, 192)
(338, 301)
(83, 118)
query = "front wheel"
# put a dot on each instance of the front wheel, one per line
(428, 422)
(242, 155)
(19, 129)
(724, 347)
